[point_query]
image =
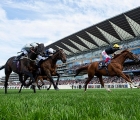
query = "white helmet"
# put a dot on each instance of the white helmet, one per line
(34, 44)
(51, 50)
(27, 45)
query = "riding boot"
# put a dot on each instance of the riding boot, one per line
(39, 64)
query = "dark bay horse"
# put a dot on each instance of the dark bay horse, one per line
(115, 68)
(48, 67)
(25, 66)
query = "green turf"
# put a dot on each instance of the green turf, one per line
(96, 104)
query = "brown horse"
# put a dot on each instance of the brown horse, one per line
(48, 67)
(113, 69)
(23, 67)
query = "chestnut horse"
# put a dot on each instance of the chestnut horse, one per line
(115, 68)
(48, 67)
(22, 67)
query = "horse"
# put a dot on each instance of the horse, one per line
(48, 67)
(25, 66)
(114, 68)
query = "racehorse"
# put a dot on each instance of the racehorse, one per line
(113, 69)
(22, 67)
(48, 67)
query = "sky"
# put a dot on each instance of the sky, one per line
(47, 21)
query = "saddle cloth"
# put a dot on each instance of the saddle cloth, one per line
(102, 64)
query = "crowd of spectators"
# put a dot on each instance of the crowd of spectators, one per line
(95, 80)
(132, 67)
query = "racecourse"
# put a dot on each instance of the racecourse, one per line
(95, 104)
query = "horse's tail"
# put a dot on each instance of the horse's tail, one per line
(2, 67)
(83, 68)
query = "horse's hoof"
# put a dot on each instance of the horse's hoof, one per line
(56, 88)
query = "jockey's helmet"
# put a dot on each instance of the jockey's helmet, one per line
(50, 50)
(116, 46)
(34, 44)
(27, 45)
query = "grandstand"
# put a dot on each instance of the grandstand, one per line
(85, 46)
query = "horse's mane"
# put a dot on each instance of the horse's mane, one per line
(126, 50)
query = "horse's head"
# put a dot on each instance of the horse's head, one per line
(61, 55)
(40, 49)
(131, 56)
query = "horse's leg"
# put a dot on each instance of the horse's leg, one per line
(51, 80)
(37, 79)
(48, 74)
(102, 83)
(42, 83)
(21, 79)
(58, 76)
(87, 81)
(126, 77)
(130, 83)
(49, 86)
(7, 74)
(29, 83)
(33, 80)
(25, 78)
(6, 82)
(22, 83)
(91, 73)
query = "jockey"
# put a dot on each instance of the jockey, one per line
(39, 59)
(108, 51)
(49, 52)
(26, 49)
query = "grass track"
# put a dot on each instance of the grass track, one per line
(96, 104)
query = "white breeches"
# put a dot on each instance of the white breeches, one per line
(39, 57)
(105, 55)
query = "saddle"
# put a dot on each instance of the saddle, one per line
(102, 64)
